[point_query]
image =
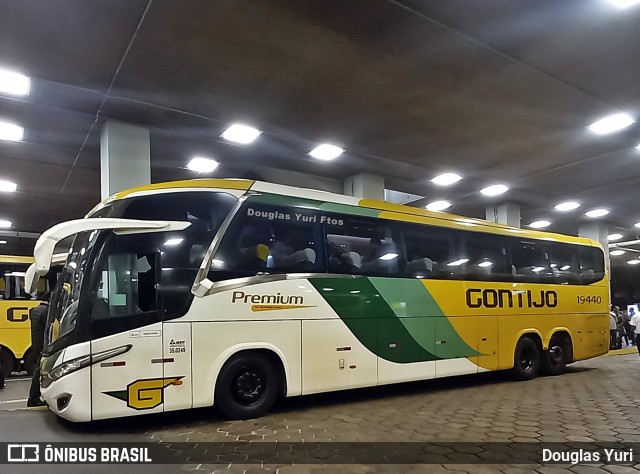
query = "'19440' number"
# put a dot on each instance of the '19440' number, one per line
(589, 299)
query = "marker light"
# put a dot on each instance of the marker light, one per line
(616, 253)
(596, 213)
(438, 205)
(494, 190)
(446, 179)
(243, 134)
(566, 206)
(8, 186)
(14, 83)
(326, 152)
(202, 165)
(539, 224)
(611, 124)
(11, 131)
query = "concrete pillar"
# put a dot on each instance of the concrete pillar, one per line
(125, 157)
(507, 213)
(365, 185)
(600, 232)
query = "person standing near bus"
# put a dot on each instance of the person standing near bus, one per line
(38, 317)
(635, 321)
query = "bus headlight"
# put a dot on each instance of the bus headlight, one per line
(73, 365)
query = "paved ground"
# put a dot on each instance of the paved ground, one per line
(596, 401)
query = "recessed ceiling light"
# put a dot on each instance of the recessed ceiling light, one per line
(540, 224)
(486, 263)
(202, 165)
(8, 186)
(615, 236)
(326, 152)
(457, 263)
(633, 262)
(494, 190)
(596, 213)
(388, 256)
(238, 133)
(623, 3)
(638, 147)
(611, 124)
(4, 223)
(438, 205)
(14, 83)
(2, 242)
(175, 241)
(637, 224)
(566, 206)
(446, 179)
(11, 131)
(615, 253)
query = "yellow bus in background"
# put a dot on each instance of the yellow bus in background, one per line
(15, 303)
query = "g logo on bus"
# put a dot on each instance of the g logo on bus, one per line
(17, 314)
(145, 394)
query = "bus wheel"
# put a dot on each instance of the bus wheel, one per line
(526, 362)
(558, 355)
(6, 361)
(247, 387)
(29, 361)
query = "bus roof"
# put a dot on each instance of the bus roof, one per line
(386, 210)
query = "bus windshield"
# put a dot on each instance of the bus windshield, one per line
(114, 282)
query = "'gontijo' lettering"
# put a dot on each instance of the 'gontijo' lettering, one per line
(492, 298)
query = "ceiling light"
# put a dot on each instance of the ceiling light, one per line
(2, 242)
(8, 186)
(173, 241)
(11, 131)
(486, 263)
(4, 223)
(623, 3)
(611, 124)
(457, 263)
(637, 224)
(566, 206)
(638, 147)
(633, 262)
(565, 268)
(615, 236)
(326, 152)
(389, 256)
(615, 253)
(438, 205)
(494, 190)
(14, 83)
(596, 213)
(446, 179)
(202, 165)
(537, 269)
(539, 224)
(238, 133)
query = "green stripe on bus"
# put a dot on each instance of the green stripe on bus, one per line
(371, 320)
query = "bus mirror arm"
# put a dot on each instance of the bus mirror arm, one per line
(43, 250)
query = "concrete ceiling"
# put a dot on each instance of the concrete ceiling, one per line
(497, 91)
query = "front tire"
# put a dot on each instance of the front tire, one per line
(7, 361)
(526, 359)
(247, 387)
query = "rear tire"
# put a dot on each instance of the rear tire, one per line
(559, 354)
(247, 387)
(7, 361)
(526, 359)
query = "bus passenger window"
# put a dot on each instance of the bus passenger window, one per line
(563, 261)
(357, 245)
(529, 262)
(429, 249)
(591, 264)
(485, 257)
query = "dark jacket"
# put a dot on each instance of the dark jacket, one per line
(38, 317)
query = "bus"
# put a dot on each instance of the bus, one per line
(15, 303)
(234, 293)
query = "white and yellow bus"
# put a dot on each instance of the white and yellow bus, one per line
(15, 303)
(233, 293)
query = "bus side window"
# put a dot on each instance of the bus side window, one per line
(591, 264)
(563, 261)
(486, 257)
(428, 249)
(529, 262)
(360, 245)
